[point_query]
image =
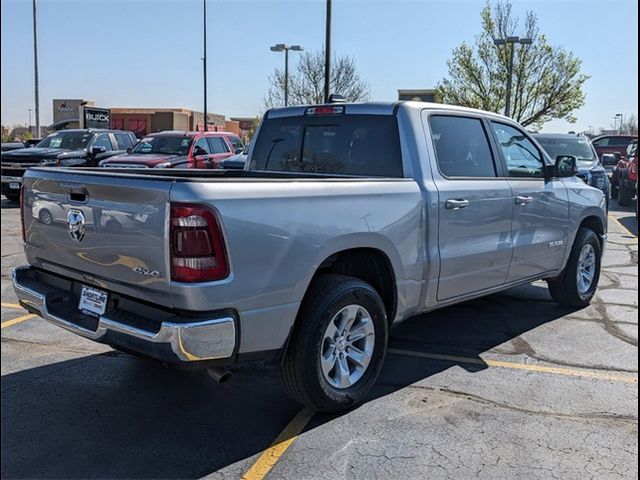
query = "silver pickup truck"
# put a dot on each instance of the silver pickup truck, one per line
(347, 220)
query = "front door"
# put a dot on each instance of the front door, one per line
(541, 209)
(202, 154)
(475, 207)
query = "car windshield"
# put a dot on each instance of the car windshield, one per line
(575, 146)
(178, 145)
(67, 140)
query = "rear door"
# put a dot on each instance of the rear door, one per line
(475, 206)
(220, 149)
(540, 207)
(105, 230)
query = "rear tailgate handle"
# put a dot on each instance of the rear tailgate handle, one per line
(452, 204)
(523, 200)
(77, 191)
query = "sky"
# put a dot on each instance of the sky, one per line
(147, 53)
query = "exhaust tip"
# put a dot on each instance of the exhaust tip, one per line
(220, 375)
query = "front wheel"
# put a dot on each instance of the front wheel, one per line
(577, 284)
(338, 345)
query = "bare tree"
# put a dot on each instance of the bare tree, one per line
(306, 81)
(547, 82)
(629, 125)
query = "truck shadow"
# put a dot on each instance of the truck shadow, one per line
(113, 416)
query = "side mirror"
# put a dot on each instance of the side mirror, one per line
(129, 150)
(566, 166)
(608, 159)
(617, 155)
(239, 150)
(98, 150)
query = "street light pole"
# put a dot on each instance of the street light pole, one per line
(512, 42)
(283, 47)
(327, 53)
(204, 64)
(35, 70)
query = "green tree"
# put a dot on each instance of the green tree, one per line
(547, 82)
(306, 81)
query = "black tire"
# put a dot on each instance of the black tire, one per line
(301, 368)
(12, 197)
(564, 289)
(624, 196)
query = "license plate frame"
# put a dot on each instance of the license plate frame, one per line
(93, 301)
(14, 185)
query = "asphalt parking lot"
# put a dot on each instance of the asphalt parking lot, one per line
(508, 386)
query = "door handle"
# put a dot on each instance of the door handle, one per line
(523, 200)
(456, 204)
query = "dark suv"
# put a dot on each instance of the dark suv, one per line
(66, 148)
(590, 168)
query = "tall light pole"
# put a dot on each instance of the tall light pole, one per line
(511, 41)
(204, 63)
(283, 47)
(35, 70)
(327, 53)
(619, 119)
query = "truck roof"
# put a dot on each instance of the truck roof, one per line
(378, 108)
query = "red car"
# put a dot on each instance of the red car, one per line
(628, 179)
(614, 144)
(173, 149)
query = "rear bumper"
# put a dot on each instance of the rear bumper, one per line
(178, 339)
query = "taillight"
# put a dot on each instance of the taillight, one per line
(197, 247)
(24, 235)
(324, 110)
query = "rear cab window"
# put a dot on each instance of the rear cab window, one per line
(359, 145)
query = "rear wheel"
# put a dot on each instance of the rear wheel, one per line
(338, 345)
(577, 284)
(624, 196)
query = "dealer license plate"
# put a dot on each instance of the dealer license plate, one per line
(93, 301)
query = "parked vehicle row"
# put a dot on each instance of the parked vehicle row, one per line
(117, 149)
(66, 148)
(349, 219)
(172, 149)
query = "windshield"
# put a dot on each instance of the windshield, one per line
(575, 146)
(66, 140)
(178, 145)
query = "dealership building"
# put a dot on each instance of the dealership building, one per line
(81, 113)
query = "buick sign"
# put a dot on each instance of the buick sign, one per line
(94, 117)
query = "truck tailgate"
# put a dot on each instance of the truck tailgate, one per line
(105, 234)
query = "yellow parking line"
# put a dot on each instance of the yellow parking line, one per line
(572, 372)
(8, 323)
(11, 305)
(280, 445)
(621, 225)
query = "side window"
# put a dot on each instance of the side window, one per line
(123, 141)
(235, 142)
(218, 145)
(602, 142)
(620, 141)
(462, 148)
(522, 156)
(103, 140)
(200, 145)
